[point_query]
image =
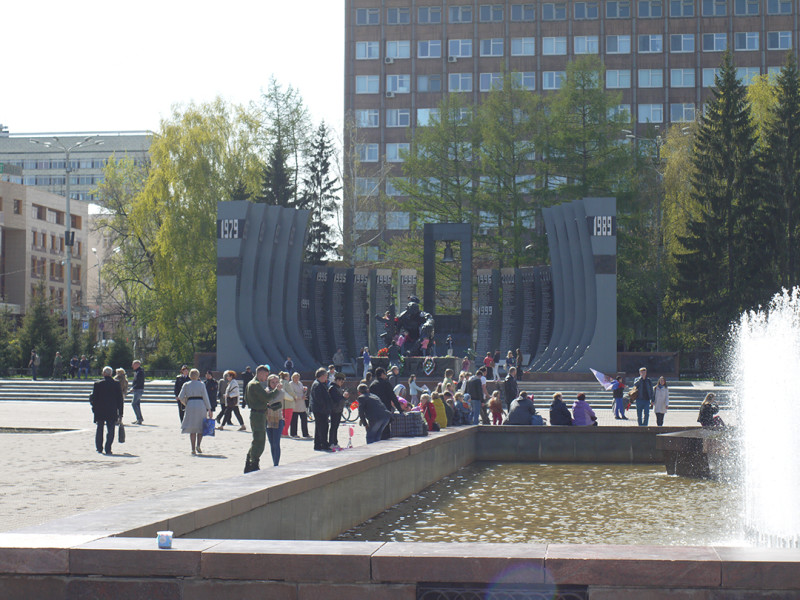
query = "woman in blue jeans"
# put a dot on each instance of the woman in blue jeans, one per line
(275, 422)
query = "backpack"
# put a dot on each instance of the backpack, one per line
(537, 420)
(37, 360)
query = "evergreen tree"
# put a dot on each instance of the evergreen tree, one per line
(40, 330)
(319, 195)
(277, 187)
(782, 136)
(720, 269)
(9, 344)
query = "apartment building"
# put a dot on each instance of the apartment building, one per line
(402, 56)
(32, 249)
(37, 165)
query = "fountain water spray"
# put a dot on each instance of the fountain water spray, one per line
(766, 377)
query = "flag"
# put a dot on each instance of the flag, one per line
(605, 380)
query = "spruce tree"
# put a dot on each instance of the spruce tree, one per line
(320, 196)
(720, 268)
(277, 188)
(782, 134)
(40, 330)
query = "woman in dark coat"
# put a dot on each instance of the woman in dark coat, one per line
(559, 413)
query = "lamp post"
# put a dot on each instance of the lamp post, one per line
(68, 235)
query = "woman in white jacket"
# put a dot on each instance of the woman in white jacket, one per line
(660, 400)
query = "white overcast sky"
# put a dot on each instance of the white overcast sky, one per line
(91, 65)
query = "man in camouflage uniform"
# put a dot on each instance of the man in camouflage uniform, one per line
(259, 399)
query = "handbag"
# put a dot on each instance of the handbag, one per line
(209, 427)
(121, 435)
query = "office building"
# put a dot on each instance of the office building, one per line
(32, 249)
(401, 57)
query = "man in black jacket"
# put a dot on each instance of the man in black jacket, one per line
(510, 389)
(339, 397)
(320, 405)
(179, 381)
(107, 406)
(381, 388)
(247, 377)
(138, 390)
(476, 388)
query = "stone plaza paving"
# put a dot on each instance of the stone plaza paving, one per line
(48, 475)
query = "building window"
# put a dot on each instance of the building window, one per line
(743, 8)
(429, 49)
(715, 8)
(650, 43)
(618, 79)
(398, 117)
(746, 75)
(650, 9)
(779, 7)
(621, 112)
(391, 186)
(681, 78)
(398, 221)
(491, 13)
(429, 83)
(746, 40)
(366, 221)
(554, 11)
(396, 152)
(460, 82)
(586, 10)
(461, 14)
(367, 84)
(491, 81)
(554, 46)
(681, 113)
(429, 15)
(523, 46)
(367, 186)
(367, 117)
(715, 42)
(681, 42)
(618, 10)
(367, 253)
(618, 44)
(368, 16)
(367, 50)
(492, 47)
(399, 84)
(586, 44)
(398, 16)
(773, 72)
(523, 12)
(651, 78)
(525, 80)
(424, 116)
(552, 80)
(779, 40)
(651, 113)
(398, 49)
(681, 8)
(460, 48)
(367, 152)
(709, 76)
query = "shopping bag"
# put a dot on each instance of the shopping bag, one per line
(209, 427)
(121, 435)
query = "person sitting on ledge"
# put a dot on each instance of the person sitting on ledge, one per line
(559, 413)
(521, 411)
(582, 413)
(428, 411)
(708, 409)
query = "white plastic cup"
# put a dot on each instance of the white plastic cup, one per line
(164, 539)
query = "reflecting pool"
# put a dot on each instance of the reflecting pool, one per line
(563, 503)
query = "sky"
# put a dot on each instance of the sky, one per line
(88, 65)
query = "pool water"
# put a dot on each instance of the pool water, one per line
(563, 503)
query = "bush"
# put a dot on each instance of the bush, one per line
(119, 354)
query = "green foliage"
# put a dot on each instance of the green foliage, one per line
(320, 189)
(9, 344)
(40, 331)
(721, 269)
(277, 187)
(119, 354)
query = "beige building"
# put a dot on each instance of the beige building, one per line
(32, 250)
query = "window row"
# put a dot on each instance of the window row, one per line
(395, 220)
(678, 78)
(581, 44)
(456, 82)
(558, 11)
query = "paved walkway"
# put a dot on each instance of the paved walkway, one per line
(51, 475)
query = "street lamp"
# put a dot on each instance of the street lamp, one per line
(69, 238)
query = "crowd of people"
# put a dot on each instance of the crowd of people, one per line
(279, 402)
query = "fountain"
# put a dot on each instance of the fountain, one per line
(767, 370)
